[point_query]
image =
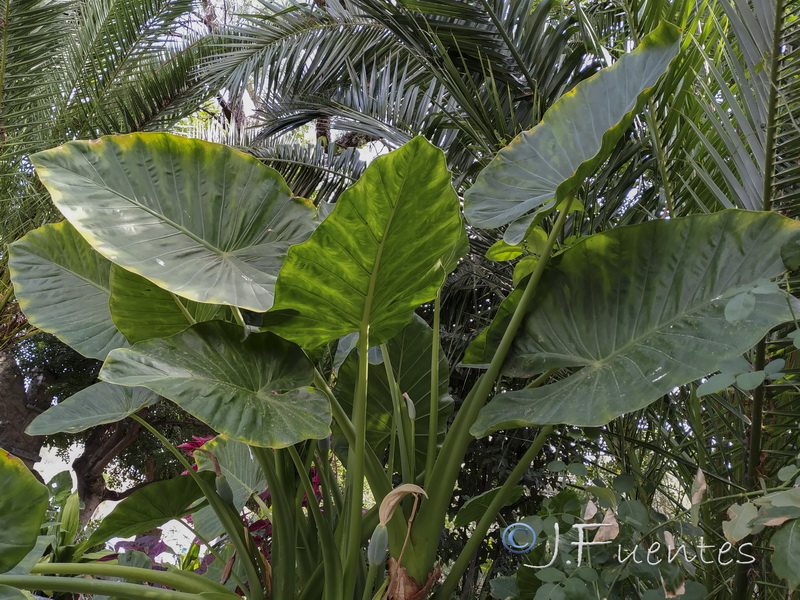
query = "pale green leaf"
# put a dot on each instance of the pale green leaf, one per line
(786, 557)
(95, 405)
(251, 390)
(548, 162)
(638, 311)
(201, 220)
(62, 287)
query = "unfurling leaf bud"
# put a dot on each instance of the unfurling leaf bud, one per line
(378, 545)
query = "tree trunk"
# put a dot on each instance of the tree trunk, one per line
(18, 408)
(100, 448)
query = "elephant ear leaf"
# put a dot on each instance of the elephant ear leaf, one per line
(95, 405)
(23, 505)
(636, 312)
(254, 391)
(62, 286)
(542, 166)
(201, 220)
(382, 252)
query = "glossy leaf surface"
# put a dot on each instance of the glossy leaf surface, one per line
(62, 287)
(202, 220)
(549, 161)
(97, 404)
(252, 390)
(382, 252)
(23, 504)
(410, 356)
(638, 310)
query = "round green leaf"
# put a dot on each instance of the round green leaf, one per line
(201, 220)
(141, 310)
(750, 381)
(97, 404)
(785, 473)
(740, 307)
(639, 310)
(62, 287)
(383, 251)
(575, 135)
(250, 390)
(23, 504)
(715, 384)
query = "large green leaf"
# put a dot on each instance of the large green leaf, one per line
(97, 404)
(251, 390)
(410, 356)
(23, 504)
(148, 507)
(382, 252)
(241, 471)
(62, 287)
(201, 220)
(641, 310)
(548, 162)
(141, 310)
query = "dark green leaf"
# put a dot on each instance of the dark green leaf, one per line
(383, 252)
(148, 507)
(252, 390)
(141, 310)
(241, 471)
(410, 355)
(634, 514)
(201, 220)
(503, 587)
(475, 507)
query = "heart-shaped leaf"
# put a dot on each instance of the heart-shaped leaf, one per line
(548, 162)
(62, 287)
(23, 504)
(201, 220)
(251, 390)
(97, 404)
(382, 252)
(640, 310)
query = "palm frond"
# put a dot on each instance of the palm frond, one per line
(311, 171)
